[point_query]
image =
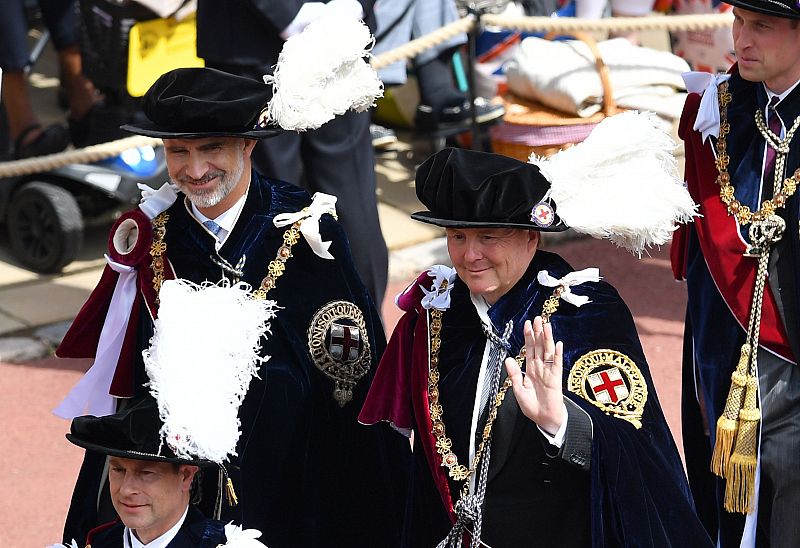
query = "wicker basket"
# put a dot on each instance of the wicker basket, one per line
(529, 127)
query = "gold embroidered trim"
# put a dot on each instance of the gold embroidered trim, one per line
(742, 212)
(595, 377)
(444, 444)
(275, 268)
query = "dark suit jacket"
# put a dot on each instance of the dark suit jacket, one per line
(634, 492)
(248, 32)
(196, 532)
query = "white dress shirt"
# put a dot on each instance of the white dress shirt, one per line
(130, 540)
(226, 220)
(482, 307)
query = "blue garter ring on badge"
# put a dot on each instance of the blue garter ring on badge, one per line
(611, 381)
(542, 214)
(339, 345)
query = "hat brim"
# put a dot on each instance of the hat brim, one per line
(149, 129)
(430, 218)
(766, 10)
(135, 455)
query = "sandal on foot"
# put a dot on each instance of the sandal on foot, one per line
(52, 139)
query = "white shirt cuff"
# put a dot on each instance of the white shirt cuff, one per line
(558, 439)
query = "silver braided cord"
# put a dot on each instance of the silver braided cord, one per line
(469, 508)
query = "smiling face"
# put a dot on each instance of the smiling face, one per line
(213, 172)
(491, 260)
(767, 49)
(150, 497)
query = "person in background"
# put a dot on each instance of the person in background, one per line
(336, 159)
(26, 132)
(741, 384)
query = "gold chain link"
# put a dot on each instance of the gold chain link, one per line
(275, 268)
(444, 445)
(783, 191)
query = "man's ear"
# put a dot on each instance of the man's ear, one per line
(534, 238)
(249, 145)
(187, 473)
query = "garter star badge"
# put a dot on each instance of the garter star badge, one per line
(542, 214)
(339, 346)
(611, 381)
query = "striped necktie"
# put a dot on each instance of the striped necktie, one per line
(775, 126)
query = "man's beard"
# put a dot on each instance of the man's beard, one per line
(211, 197)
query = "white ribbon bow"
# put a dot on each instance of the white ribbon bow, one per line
(90, 394)
(573, 278)
(236, 537)
(434, 299)
(155, 202)
(707, 121)
(309, 227)
(73, 544)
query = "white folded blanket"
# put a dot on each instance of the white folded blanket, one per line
(563, 75)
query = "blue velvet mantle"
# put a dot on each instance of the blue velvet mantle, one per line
(636, 492)
(306, 474)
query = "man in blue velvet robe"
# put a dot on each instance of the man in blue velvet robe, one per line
(151, 487)
(715, 256)
(572, 452)
(306, 473)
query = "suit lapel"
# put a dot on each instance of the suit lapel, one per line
(504, 430)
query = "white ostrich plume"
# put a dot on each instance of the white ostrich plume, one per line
(203, 354)
(322, 72)
(621, 183)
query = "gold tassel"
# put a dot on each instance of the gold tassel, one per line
(230, 493)
(728, 421)
(741, 473)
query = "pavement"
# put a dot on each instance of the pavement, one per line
(38, 466)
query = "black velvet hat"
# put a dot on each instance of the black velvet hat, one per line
(789, 9)
(133, 433)
(190, 103)
(469, 189)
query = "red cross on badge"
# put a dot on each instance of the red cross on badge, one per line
(345, 342)
(608, 386)
(542, 214)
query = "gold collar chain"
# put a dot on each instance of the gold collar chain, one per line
(275, 268)
(783, 190)
(444, 445)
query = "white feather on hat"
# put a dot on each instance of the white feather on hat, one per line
(620, 183)
(322, 72)
(203, 354)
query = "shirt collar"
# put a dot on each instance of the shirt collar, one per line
(482, 307)
(781, 96)
(130, 540)
(226, 220)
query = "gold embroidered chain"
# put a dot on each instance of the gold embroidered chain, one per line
(275, 268)
(783, 191)
(444, 445)
(157, 250)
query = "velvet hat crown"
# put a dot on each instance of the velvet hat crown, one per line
(469, 189)
(203, 102)
(133, 433)
(788, 9)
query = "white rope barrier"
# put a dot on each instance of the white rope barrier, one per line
(90, 154)
(406, 51)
